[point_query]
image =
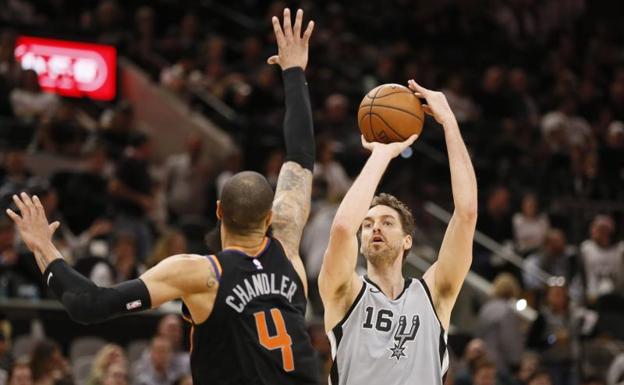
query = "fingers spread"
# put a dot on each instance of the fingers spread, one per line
(20, 205)
(30, 206)
(308, 32)
(279, 34)
(287, 27)
(298, 21)
(16, 218)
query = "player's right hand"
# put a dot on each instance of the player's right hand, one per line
(393, 149)
(437, 106)
(32, 223)
(292, 46)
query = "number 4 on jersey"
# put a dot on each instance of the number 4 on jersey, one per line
(281, 340)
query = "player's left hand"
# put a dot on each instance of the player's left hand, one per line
(32, 223)
(437, 105)
(292, 46)
(392, 149)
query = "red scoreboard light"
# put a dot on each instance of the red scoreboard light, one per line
(70, 68)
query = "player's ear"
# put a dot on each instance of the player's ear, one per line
(219, 211)
(407, 242)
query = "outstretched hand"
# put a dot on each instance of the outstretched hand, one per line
(32, 223)
(292, 46)
(393, 149)
(437, 106)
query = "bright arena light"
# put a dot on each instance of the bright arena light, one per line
(521, 304)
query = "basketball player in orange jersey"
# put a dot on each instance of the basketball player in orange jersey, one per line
(246, 303)
(384, 328)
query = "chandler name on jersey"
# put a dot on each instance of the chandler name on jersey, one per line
(256, 332)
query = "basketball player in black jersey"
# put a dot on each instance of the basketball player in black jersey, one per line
(247, 302)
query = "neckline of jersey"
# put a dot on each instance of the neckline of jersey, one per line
(408, 282)
(265, 245)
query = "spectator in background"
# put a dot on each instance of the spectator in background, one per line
(552, 334)
(602, 260)
(473, 353)
(19, 275)
(612, 160)
(555, 258)
(143, 46)
(20, 374)
(484, 373)
(124, 258)
(29, 102)
(233, 164)
(541, 377)
(495, 222)
(523, 106)
(132, 190)
(6, 356)
(529, 364)
(116, 129)
(529, 225)
(115, 374)
(107, 357)
(491, 97)
(330, 170)
(83, 194)
(186, 180)
(464, 108)
(170, 327)
(172, 242)
(500, 326)
(109, 17)
(48, 365)
(155, 370)
(13, 174)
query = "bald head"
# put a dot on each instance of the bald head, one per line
(246, 200)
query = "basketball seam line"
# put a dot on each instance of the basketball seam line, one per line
(370, 115)
(389, 126)
(388, 94)
(398, 109)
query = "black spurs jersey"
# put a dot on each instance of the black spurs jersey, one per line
(256, 333)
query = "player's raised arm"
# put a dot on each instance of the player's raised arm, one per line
(86, 302)
(291, 206)
(448, 273)
(337, 278)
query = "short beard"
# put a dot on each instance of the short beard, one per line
(382, 257)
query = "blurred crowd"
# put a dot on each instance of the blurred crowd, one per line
(538, 90)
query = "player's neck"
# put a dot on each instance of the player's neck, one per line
(249, 244)
(389, 279)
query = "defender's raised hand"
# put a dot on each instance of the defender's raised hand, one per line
(32, 223)
(292, 46)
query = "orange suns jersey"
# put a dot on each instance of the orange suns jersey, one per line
(256, 333)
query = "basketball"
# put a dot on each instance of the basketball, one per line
(390, 113)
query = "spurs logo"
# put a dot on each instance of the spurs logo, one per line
(402, 336)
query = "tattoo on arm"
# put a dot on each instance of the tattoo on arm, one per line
(291, 206)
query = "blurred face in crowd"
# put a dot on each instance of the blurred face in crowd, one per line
(160, 353)
(21, 375)
(541, 379)
(115, 374)
(493, 79)
(474, 350)
(557, 298)
(529, 205)
(170, 327)
(484, 376)
(7, 235)
(186, 380)
(601, 230)
(555, 243)
(15, 162)
(498, 203)
(528, 365)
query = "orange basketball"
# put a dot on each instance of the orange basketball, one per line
(390, 113)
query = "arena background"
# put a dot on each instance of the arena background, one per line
(133, 170)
